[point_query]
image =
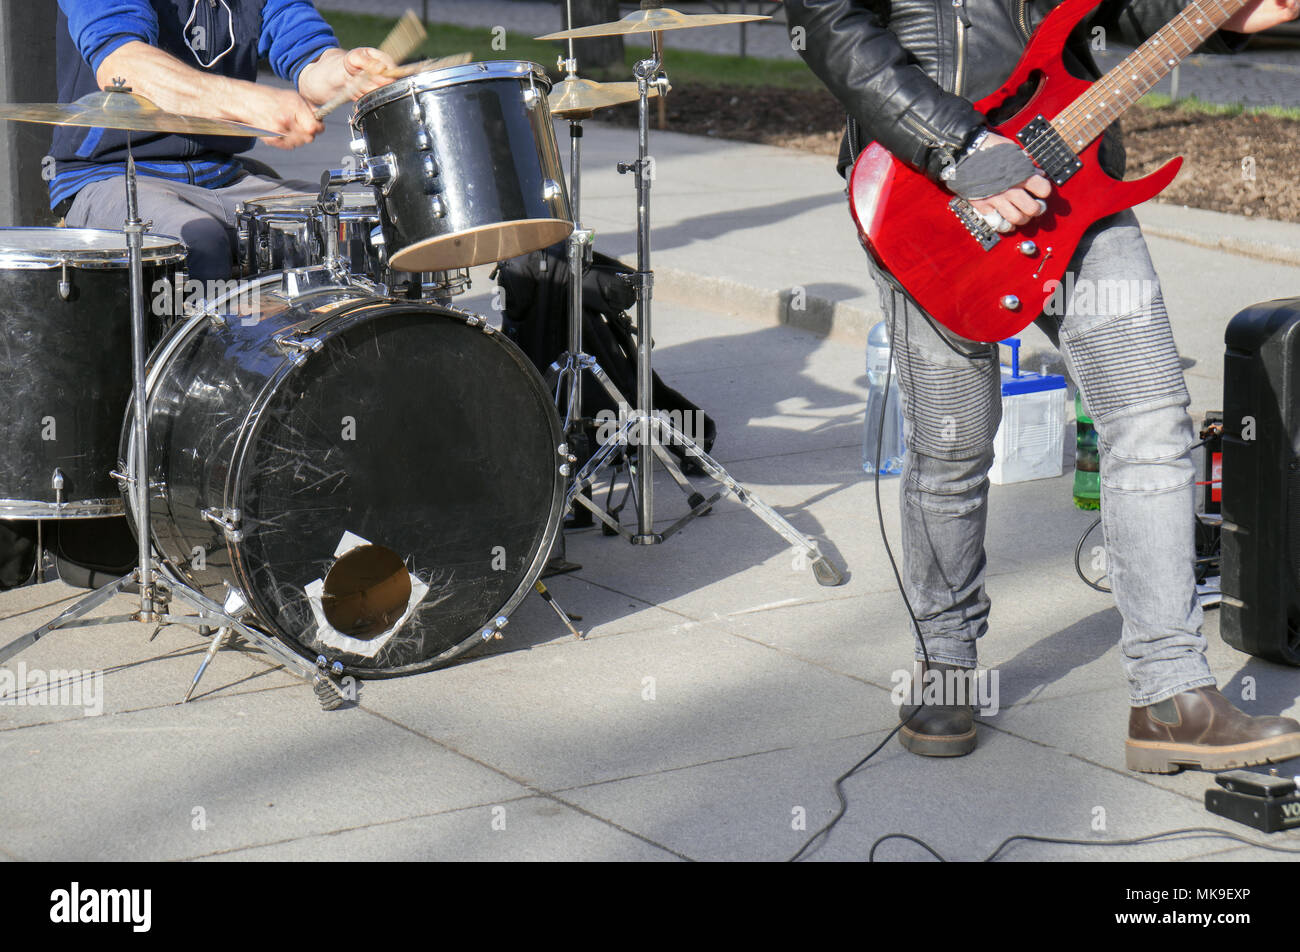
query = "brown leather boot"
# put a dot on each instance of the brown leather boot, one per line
(1200, 728)
(945, 729)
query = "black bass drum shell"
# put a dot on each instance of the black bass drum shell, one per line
(413, 426)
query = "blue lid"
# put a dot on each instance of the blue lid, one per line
(1014, 382)
(1030, 383)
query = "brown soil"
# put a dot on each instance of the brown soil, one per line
(1236, 164)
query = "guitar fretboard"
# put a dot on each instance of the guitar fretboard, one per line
(1089, 115)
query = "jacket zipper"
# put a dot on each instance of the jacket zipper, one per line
(932, 138)
(962, 26)
(1023, 18)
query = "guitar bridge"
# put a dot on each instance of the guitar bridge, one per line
(974, 223)
(1048, 150)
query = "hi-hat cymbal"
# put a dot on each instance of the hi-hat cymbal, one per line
(125, 110)
(652, 21)
(576, 98)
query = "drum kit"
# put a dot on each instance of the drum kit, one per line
(331, 460)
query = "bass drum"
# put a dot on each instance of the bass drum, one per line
(377, 481)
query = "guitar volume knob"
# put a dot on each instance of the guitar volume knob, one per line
(1010, 302)
(1028, 248)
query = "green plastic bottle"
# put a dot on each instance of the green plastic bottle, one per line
(1087, 462)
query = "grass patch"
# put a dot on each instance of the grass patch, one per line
(683, 66)
(1192, 104)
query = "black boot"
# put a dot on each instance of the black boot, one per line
(946, 729)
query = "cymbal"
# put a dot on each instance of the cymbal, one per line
(578, 98)
(652, 21)
(128, 111)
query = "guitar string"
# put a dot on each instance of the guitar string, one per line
(1140, 62)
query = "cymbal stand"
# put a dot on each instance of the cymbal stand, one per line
(644, 427)
(571, 364)
(156, 590)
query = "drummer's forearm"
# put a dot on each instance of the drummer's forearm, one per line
(172, 85)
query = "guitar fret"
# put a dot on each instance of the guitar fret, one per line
(1109, 97)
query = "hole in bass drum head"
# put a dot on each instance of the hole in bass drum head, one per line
(366, 592)
(483, 245)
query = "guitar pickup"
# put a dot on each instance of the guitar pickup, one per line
(974, 223)
(1048, 150)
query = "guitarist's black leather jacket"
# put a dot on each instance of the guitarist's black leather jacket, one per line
(907, 71)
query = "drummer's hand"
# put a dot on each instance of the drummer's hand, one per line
(355, 72)
(286, 112)
(367, 68)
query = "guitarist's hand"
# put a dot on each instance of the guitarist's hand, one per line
(1262, 14)
(1018, 203)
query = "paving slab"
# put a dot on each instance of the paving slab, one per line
(176, 782)
(529, 829)
(744, 808)
(625, 705)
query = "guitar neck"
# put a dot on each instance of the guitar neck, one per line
(1109, 97)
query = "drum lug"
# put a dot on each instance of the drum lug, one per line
(56, 483)
(65, 285)
(552, 190)
(531, 96)
(437, 206)
(298, 346)
(228, 521)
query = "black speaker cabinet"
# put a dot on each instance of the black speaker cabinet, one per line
(1261, 482)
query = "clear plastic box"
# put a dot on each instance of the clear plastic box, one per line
(1030, 442)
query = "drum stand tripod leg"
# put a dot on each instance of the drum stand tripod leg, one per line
(565, 617)
(71, 617)
(218, 639)
(328, 691)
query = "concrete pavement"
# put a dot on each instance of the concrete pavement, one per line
(720, 690)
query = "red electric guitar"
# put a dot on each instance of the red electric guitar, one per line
(987, 286)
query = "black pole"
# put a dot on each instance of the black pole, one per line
(26, 75)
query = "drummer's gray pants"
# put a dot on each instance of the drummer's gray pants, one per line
(203, 218)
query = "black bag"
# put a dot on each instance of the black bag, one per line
(536, 317)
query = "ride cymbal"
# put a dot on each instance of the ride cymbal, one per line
(119, 108)
(653, 21)
(576, 98)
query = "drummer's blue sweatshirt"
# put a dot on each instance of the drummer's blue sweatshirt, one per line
(224, 37)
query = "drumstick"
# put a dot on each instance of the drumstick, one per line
(423, 66)
(399, 45)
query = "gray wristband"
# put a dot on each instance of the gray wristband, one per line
(985, 172)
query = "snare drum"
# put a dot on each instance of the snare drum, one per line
(281, 232)
(465, 165)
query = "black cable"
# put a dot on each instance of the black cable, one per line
(1078, 549)
(902, 590)
(1078, 554)
(1188, 832)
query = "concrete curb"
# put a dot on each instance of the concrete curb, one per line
(846, 323)
(792, 307)
(1247, 248)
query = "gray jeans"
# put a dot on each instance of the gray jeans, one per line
(203, 218)
(1109, 321)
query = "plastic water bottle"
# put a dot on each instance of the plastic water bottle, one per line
(1087, 462)
(889, 456)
